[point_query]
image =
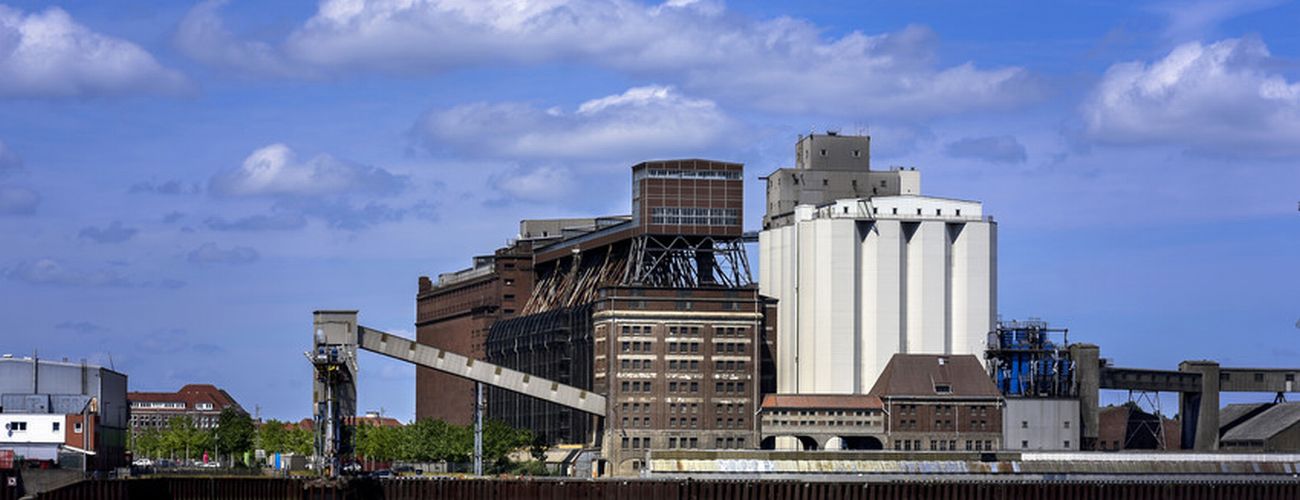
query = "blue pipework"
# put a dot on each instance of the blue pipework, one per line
(1024, 361)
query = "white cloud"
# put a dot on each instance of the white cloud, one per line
(542, 184)
(276, 171)
(1195, 20)
(782, 64)
(641, 122)
(202, 35)
(48, 54)
(1222, 98)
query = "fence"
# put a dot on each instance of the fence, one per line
(177, 488)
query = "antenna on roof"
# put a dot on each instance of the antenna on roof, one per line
(110, 362)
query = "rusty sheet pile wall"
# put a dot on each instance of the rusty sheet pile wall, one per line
(277, 489)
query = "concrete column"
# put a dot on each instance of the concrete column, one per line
(1087, 375)
(1199, 412)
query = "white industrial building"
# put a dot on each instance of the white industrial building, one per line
(861, 278)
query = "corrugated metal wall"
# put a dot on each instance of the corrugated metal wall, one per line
(259, 488)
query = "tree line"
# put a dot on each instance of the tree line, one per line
(421, 441)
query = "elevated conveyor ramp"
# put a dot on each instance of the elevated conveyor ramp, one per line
(479, 371)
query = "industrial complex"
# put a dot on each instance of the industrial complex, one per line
(643, 343)
(873, 325)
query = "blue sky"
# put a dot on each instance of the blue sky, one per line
(182, 184)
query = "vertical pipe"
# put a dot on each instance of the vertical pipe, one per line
(478, 429)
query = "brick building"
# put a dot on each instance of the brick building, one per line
(670, 282)
(823, 421)
(201, 402)
(939, 403)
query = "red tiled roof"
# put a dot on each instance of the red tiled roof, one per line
(191, 395)
(919, 374)
(820, 401)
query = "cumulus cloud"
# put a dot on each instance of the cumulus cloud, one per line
(275, 170)
(1223, 98)
(210, 253)
(995, 149)
(48, 54)
(641, 122)
(203, 36)
(113, 233)
(16, 200)
(781, 64)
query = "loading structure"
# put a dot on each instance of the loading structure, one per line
(338, 338)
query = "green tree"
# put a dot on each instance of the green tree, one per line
(499, 440)
(234, 433)
(147, 443)
(272, 437)
(183, 438)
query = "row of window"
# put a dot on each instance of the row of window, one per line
(636, 386)
(832, 423)
(637, 329)
(636, 364)
(944, 445)
(683, 423)
(729, 408)
(729, 387)
(683, 347)
(738, 347)
(730, 423)
(940, 410)
(695, 216)
(693, 331)
(21, 426)
(634, 422)
(731, 175)
(728, 365)
(684, 387)
(637, 346)
(675, 365)
(636, 408)
(683, 408)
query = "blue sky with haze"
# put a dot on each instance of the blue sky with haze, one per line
(182, 184)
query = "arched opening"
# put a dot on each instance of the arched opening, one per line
(861, 443)
(788, 443)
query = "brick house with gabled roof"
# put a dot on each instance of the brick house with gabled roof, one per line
(201, 402)
(939, 403)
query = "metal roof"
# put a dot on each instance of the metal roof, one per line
(1267, 424)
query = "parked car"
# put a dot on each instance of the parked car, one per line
(142, 462)
(383, 474)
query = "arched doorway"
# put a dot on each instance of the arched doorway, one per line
(861, 443)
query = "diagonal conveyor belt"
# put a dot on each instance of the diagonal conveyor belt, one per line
(479, 371)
